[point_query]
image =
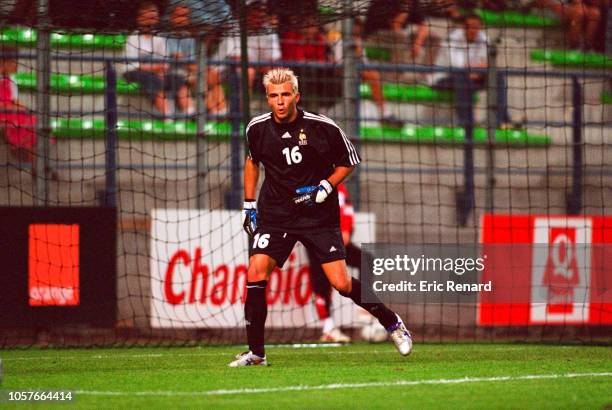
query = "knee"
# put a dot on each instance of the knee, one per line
(369, 75)
(213, 78)
(260, 267)
(254, 275)
(343, 285)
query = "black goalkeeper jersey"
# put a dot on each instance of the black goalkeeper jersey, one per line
(297, 154)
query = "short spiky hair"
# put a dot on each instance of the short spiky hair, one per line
(280, 76)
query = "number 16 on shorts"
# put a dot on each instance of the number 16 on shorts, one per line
(261, 241)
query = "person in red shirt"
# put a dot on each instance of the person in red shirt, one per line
(320, 285)
(16, 122)
(305, 44)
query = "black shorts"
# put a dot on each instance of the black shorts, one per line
(326, 246)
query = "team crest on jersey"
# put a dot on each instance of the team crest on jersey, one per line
(302, 138)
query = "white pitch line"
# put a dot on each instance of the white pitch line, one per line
(336, 386)
(86, 356)
(171, 354)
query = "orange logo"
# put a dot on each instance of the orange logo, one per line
(561, 272)
(53, 265)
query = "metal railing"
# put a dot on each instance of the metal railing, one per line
(112, 113)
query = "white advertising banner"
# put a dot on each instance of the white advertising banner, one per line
(198, 273)
(561, 270)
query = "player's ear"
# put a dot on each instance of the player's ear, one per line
(297, 97)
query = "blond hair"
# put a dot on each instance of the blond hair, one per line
(278, 76)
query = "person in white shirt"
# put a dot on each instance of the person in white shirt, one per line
(468, 48)
(263, 44)
(182, 44)
(154, 78)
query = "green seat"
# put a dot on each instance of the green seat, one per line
(514, 19)
(92, 84)
(378, 53)
(28, 36)
(220, 130)
(572, 58)
(74, 84)
(138, 129)
(409, 93)
(606, 98)
(327, 10)
(449, 135)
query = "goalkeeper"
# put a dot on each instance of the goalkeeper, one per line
(305, 156)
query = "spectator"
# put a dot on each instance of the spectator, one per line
(209, 13)
(467, 48)
(263, 43)
(581, 19)
(153, 77)
(392, 18)
(16, 122)
(184, 46)
(372, 77)
(308, 43)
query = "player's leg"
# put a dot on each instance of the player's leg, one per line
(353, 256)
(329, 249)
(351, 288)
(255, 307)
(320, 287)
(269, 250)
(322, 294)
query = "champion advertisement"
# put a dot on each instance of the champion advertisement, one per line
(198, 274)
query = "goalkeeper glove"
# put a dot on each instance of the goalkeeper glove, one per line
(250, 216)
(311, 194)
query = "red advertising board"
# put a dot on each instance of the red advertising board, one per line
(59, 267)
(53, 265)
(546, 270)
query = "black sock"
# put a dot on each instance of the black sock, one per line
(255, 313)
(385, 316)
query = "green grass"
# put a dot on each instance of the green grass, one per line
(192, 377)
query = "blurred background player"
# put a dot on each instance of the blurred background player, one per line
(320, 284)
(16, 122)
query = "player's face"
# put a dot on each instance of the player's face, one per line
(180, 17)
(472, 28)
(148, 17)
(283, 101)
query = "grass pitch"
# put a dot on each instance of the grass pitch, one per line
(353, 376)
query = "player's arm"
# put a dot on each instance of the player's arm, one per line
(251, 175)
(340, 173)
